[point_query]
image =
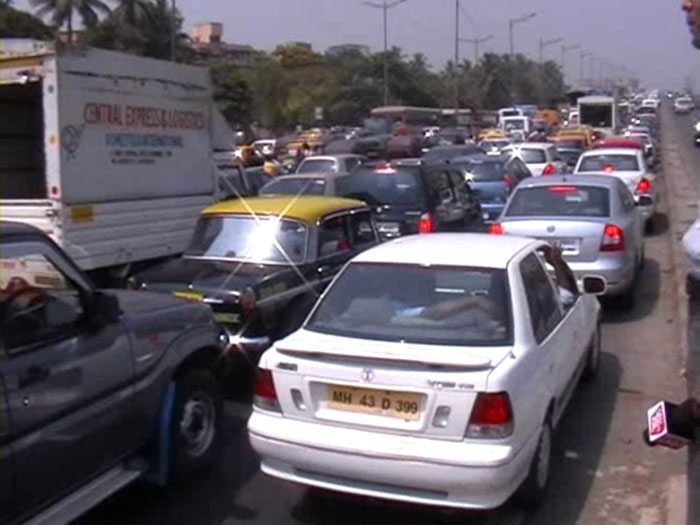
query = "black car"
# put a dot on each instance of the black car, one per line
(446, 153)
(260, 264)
(414, 197)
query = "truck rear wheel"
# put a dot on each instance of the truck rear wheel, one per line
(196, 429)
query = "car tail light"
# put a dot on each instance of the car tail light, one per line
(248, 302)
(613, 239)
(496, 229)
(548, 170)
(265, 396)
(508, 180)
(643, 186)
(491, 418)
(609, 169)
(563, 190)
(426, 224)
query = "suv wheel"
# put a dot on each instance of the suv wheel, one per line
(593, 358)
(196, 422)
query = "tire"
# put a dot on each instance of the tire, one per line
(627, 300)
(593, 357)
(534, 488)
(196, 428)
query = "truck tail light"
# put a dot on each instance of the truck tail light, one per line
(613, 239)
(644, 186)
(265, 396)
(426, 224)
(491, 418)
(496, 229)
(548, 170)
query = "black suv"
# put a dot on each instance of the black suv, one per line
(99, 389)
(414, 197)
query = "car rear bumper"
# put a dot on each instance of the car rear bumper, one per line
(618, 273)
(400, 468)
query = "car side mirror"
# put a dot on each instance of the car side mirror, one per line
(593, 285)
(105, 308)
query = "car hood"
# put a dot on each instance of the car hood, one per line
(139, 303)
(208, 276)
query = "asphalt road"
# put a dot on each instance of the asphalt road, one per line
(602, 472)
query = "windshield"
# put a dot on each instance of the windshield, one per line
(301, 186)
(598, 116)
(487, 171)
(533, 156)
(560, 201)
(598, 163)
(511, 124)
(317, 166)
(494, 144)
(415, 304)
(249, 239)
(375, 186)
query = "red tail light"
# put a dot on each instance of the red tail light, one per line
(426, 223)
(248, 300)
(613, 239)
(643, 186)
(491, 418)
(609, 169)
(548, 170)
(496, 229)
(265, 394)
(508, 180)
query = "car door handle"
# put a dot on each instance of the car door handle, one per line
(34, 374)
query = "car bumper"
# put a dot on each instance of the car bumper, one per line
(400, 468)
(646, 206)
(491, 212)
(618, 273)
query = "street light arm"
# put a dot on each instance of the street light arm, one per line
(546, 43)
(395, 3)
(524, 18)
(372, 4)
(572, 48)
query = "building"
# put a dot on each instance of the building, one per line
(349, 48)
(300, 45)
(207, 44)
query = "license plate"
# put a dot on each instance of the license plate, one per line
(388, 227)
(191, 297)
(397, 405)
(566, 245)
(227, 318)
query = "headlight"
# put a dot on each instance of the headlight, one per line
(697, 126)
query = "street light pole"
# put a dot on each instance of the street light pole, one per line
(172, 31)
(476, 42)
(512, 22)
(582, 72)
(564, 51)
(385, 6)
(456, 68)
(547, 43)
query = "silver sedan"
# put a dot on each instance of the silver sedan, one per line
(595, 221)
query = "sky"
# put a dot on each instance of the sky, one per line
(650, 37)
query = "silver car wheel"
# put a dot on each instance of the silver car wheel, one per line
(198, 424)
(544, 452)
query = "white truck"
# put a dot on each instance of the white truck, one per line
(599, 112)
(108, 153)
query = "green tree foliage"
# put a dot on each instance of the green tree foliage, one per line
(19, 24)
(62, 12)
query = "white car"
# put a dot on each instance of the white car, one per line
(340, 164)
(630, 166)
(542, 158)
(432, 371)
(683, 105)
(650, 103)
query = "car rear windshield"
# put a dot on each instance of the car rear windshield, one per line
(560, 201)
(487, 171)
(317, 166)
(533, 156)
(440, 154)
(598, 163)
(446, 305)
(294, 187)
(383, 185)
(249, 239)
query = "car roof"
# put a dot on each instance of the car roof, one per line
(17, 228)
(531, 145)
(318, 175)
(571, 180)
(339, 156)
(449, 249)
(306, 208)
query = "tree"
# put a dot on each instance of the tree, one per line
(134, 12)
(61, 12)
(19, 24)
(232, 93)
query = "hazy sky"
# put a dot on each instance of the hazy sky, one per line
(648, 36)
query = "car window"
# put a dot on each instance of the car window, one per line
(351, 163)
(560, 201)
(487, 172)
(517, 169)
(607, 162)
(383, 185)
(626, 198)
(317, 166)
(37, 301)
(442, 305)
(362, 230)
(294, 186)
(545, 309)
(554, 154)
(333, 237)
(533, 156)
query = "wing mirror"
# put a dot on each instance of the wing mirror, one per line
(593, 285)
(105, 308)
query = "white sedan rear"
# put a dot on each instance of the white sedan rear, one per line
(432, 371)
